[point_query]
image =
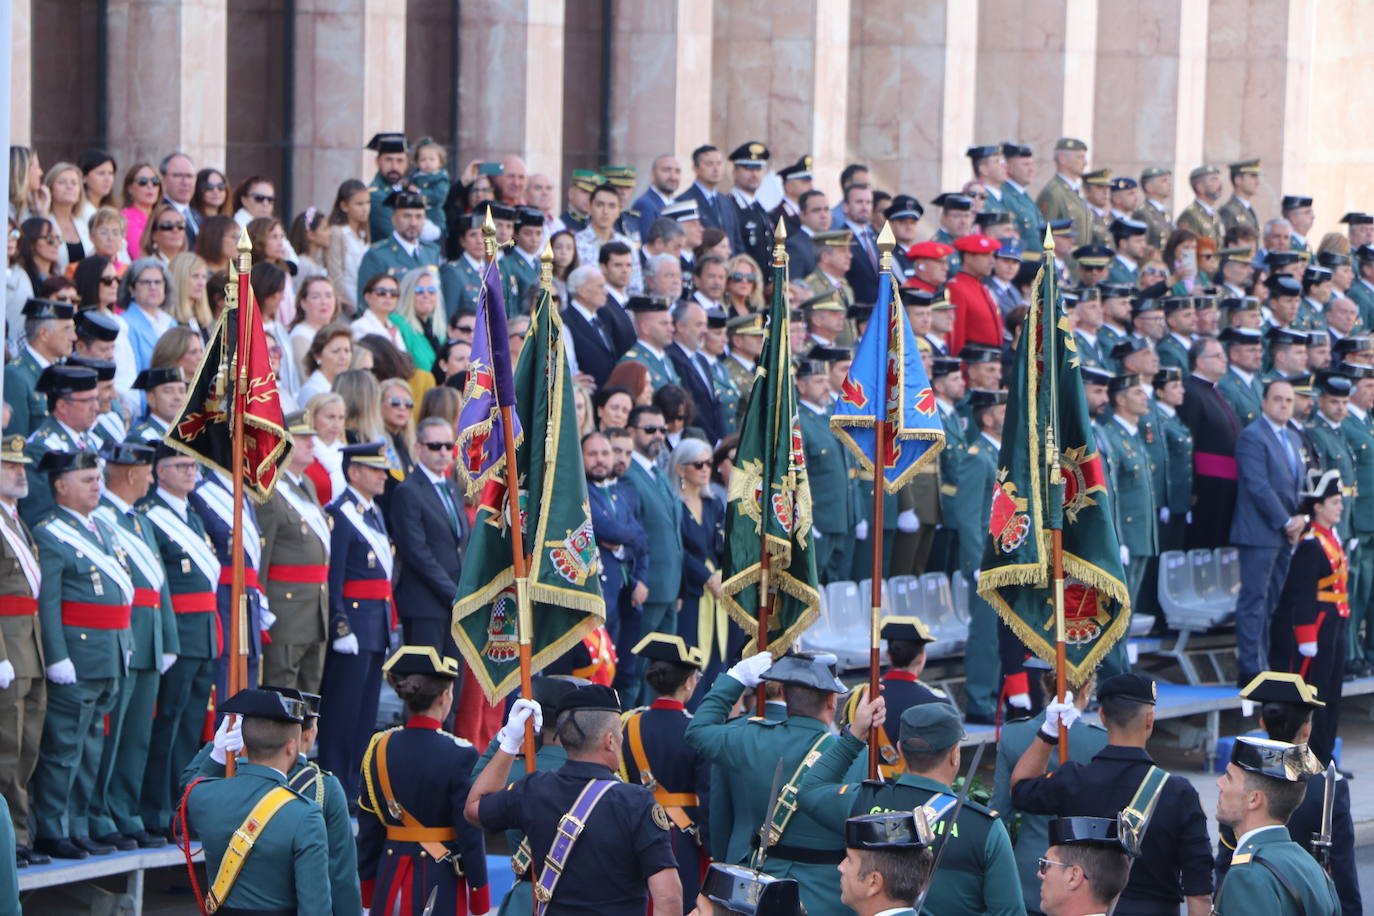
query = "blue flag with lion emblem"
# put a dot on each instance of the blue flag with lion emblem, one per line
(565, 567)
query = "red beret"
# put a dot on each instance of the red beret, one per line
(929, 249)
(977, 243)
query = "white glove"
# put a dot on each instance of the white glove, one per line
(346, 645)
(1307, 649)
(266, 618)
(1020, 700)
(1189, 517)
(1164, 515)
(816, 531)
(1056, 712)
(63, 672)
(907, 522)
(6, 674)
(1351, 544)
(749, 671)
(228, 739)
(511, 737)
(861, 530)
(168, 660)
(1125, 555)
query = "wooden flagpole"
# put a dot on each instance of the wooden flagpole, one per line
(238, 605)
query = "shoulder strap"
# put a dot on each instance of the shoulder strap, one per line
(436, 849)
(673, 802)
(787, 798)
(569, 829)
(309, 782)
(1280, 877)
(241, 844)
(1136, 816)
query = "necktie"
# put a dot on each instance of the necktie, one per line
(602, 330)
(705, 369)
(867, 236)
(669, 371)
(374, 518)
(447, 500)
(1288, 450)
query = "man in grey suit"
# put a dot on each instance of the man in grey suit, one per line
(1269, 466)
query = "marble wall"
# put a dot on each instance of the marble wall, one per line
(903, 85)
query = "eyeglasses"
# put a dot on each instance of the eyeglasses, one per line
(152, 281)
(182, 466)
(388, 293)
(438, 446)
(699, 465)
(170, 227)
(109, 281)
(1044, 865)
(1154, 270)
(108, 232)
(145, 182)
(466, 328)
(263, 198)
(72, 299)
(652, 430)
(426, 289)
(400, 402)
(743, 278)
(216, 186)
(50, 239)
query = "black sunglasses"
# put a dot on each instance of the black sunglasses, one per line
(438, 446)
(652, 430)
(263, 198)
(170, 227)
(216, 186)
(699, 465)
(145, 181)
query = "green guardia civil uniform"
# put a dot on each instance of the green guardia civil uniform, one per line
(727, 394)
(467, 284)
(1178, 478)
(944, 544)
(24, 702)
(1108, 453)
(379, 222)
(1335, 451)
(1133, 482)
(9, 870)
(1029, 223)
(827, 465)
(742, 378)
(120, 782)
(1205, 223)
(972, 505)
(1161, 226)
(110, 427)
(1250, 887)
(1089, 349)
(84, 603)
(975, 873)
(1173, 352)
(1360, 436)
(1107, 338)
(519, 899)
(28, 406)
(389, 257)
(749, 753)
(661, 371)
(295, 567)
(193, 572)
(1360, 292)
(322, 788)
(521, 274)
(149, 429)
(1245, 398)
(954, 259)
(1236, 213)
(288, 868)
(1120, 273)
(1060, 200)
(50, 436)
(1032, 830)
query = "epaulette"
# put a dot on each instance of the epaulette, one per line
(627, 714)
(764, 721)
(973, 449)
(461, 742)
(971, 805)
(937, 691)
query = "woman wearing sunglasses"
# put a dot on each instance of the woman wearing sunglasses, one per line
(142, 192)
(164, 234)
(743, 289)
(211, 196)
(702, 622)
(40, 248)
(381, 295)
(398, 416)
(419, 317)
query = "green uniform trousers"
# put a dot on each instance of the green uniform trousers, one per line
(73, 735)
(982, 666)
(178, 732)
(120, 783)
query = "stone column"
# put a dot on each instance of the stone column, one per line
(167, 84)
(1151, 78)
(511, 60)
(21, 73)
(662, 74)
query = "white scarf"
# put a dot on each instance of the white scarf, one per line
(107, 564)
(221, 502)
(307, 509)
(147, 562)
(181, 533)
(20, 545)
(381, 546)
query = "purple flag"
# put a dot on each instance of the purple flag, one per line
(481, 437)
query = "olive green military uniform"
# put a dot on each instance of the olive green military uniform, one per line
(975, 873)
(1133, 482)
(1205, 224)
(1245, 398)
(324, 789)
(727, 394)
(1334, 451)
(50, 436)
(861, 499)
(1120, 273)
(520, 275)
(1102, 222)
(1172, 352)
(749, 753)
(972, 504)
(291, 546)
(661, 371)
(120, 783)
(24, 702)
(28, 407)
(1359, 434)
(83, 603)
(1059, 200)
(288, 868)
(743, 380)
(1029, 223)
(1161, 226)
(911, 549)
(1234, 213)
(1178, 479)
(389, 257)
(828, 465)
(820, 284)
(519, 900)
(1251, 887)
(1107, 338)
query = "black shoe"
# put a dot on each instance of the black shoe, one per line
(146, 840)
(31, 856)
(118, 841)
(62, 848)
(93, 847)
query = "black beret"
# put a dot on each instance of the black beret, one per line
(1135, 687)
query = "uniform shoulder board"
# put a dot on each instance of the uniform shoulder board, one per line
(984, 810)
(461, 742)
(937, 691)
(629, 714)
(1242, 859)
(1097, 726)
(763, 721)
(973, 449)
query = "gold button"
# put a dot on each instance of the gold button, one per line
(355, 604)
(288, 596)
(83, 635)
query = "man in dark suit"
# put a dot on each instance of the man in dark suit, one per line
(716, 209)
(1215, 428)
(1269, 467)
(693, 367)
(801, 247)
(863, 268)
(430, 527)
(621, 540)
(593, 336)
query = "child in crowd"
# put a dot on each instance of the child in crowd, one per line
(431, 180)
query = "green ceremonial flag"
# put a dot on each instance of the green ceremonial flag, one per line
(770, 496)
(1046, 397)
(565, 566)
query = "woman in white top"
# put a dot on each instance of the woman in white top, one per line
(380, 295)
(187, 301)
(327, 414)
(316, 307)
(348, 241)
(18, 290)
(329, 356)
(63, 182)
(269, 286)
